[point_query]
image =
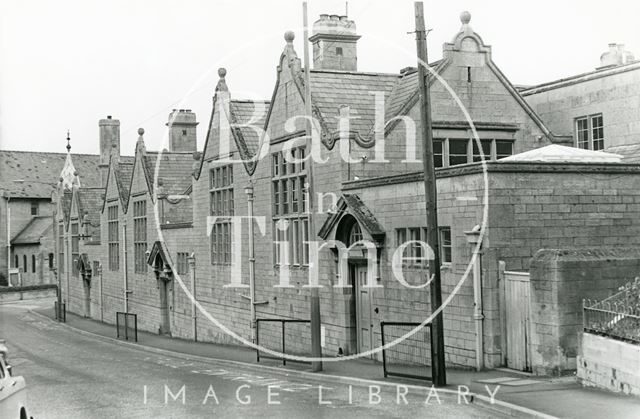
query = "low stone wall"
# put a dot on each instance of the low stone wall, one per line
(609, 364)
(9, 294)
(560, 280)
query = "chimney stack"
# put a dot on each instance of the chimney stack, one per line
(334, 43)
(615, 56)
(109, 145)
(182, 131)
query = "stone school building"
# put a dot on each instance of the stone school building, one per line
(160, 223)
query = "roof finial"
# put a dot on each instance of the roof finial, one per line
(68, 143)
(465, 17)
(222, 85)
(289, 36)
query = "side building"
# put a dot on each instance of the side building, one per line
(600, 109)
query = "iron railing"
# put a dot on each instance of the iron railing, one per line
(127, 326)
(612, 317)
(411, 357)
(60, 315)
(278, 327)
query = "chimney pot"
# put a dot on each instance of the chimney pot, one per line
(108, 116)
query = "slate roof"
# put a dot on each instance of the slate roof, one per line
(123, 172)
(174, 175)
(32, 232)
(630, 152)
(332, 89)
(39, 172)
(90, 201)
(254, 111)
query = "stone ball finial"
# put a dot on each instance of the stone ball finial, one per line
(289, 36)
(140, 131)
(465, 17)
(222, 72)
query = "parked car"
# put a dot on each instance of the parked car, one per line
(13, 390)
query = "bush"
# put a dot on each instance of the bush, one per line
(3, 280)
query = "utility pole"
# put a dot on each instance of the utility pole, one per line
(430, 192)
(316, 349)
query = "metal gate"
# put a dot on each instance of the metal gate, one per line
(518, 323)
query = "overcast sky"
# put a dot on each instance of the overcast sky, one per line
(65, 64)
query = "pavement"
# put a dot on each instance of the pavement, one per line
(501, 392)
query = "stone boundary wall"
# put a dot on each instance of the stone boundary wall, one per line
(560, 280)
(10, 295)
(609, 364)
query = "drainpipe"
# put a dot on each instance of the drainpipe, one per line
(252, 263)
(124, 267)
(473, 238)
(101, 300)
(8, 197)
(194, 311)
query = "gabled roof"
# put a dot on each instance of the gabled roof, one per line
(89, 201)
(563, 154)
(33, 231)
(28, 174)
(174, 172)
(332, 89)
(249, 111)
(123, 173)
(354, 205)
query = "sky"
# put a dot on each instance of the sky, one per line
(65, 64)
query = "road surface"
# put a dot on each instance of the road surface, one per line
(72, 375)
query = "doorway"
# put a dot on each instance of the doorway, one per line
(165, 320)
(518, 323)
(363, 312)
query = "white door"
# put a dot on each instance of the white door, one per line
(518, 323)
(363, 308)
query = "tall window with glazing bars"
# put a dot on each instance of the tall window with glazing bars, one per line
(113, 238)
(290, 213)
(75, 248)
(221, 207)
(140, 236)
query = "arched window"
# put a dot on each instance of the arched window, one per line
(355, 234)
(24, 263)
(33, 263)
(16, 264)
